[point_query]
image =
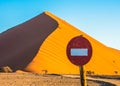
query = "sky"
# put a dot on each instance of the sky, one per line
(98, 18)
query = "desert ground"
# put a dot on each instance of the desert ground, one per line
(30, 79)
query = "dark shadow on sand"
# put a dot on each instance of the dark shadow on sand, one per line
(106, 77)
(102, 83)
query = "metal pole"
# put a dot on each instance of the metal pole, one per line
(82, 76)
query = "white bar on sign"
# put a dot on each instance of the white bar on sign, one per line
(79, 52)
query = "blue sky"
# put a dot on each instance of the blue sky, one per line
(98, 18)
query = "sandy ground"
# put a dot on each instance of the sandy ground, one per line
(106, 81)
(29, 79)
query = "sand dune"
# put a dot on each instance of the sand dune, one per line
(39, 46)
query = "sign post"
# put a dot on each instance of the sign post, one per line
(82, 76)
(79, 52)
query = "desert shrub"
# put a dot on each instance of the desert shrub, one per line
(115, 72)
(6, 69)
(89, 72)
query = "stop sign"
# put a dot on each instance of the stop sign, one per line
(79, 50)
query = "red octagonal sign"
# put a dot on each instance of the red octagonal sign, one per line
(79, 50)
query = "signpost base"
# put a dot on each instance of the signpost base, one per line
(82, 76)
